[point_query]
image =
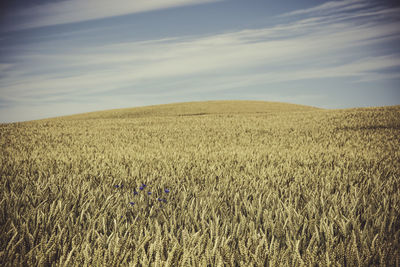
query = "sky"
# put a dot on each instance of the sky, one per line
(61, 57)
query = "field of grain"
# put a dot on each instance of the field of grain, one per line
(232, 183)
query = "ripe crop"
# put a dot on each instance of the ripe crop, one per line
(234, 183)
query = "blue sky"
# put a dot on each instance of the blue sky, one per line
(72, 56)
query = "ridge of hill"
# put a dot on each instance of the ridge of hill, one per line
(195, 109)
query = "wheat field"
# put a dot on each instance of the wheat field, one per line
(218, 183)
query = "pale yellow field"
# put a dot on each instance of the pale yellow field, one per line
(251, 184)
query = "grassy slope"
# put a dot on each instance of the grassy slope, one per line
(251, 182)
(195, 108)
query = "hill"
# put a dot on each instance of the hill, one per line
(196, 109)
(234, 183)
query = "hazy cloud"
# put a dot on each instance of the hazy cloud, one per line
(315, 54)
(330, 7)
(69, 11)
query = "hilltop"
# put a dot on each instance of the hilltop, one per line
(195, 109)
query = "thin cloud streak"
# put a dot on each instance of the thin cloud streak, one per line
(71, 11)
(330, 7)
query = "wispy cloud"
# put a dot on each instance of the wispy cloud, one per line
(70, 11)
(330, 7)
